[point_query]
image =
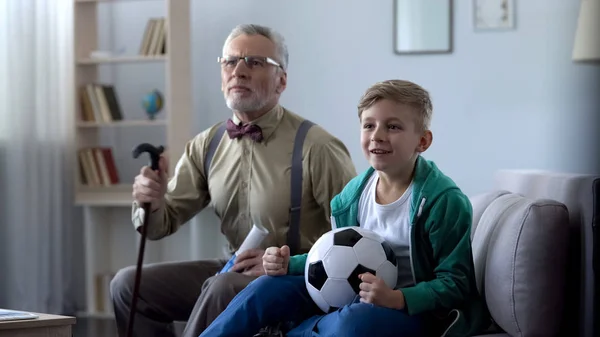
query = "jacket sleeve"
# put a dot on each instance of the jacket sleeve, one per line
(187, 194)
(449, 228)
(297, 264)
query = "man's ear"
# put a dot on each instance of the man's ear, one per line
(425, 141)
(282, 82)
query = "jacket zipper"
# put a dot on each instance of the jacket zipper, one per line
(410, 254)
(410, 239)
(419, 211)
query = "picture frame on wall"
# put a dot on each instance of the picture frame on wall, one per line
(493, 14)
(423, 26)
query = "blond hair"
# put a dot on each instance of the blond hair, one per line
(402, 92)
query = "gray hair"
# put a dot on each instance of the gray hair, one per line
(269, 33)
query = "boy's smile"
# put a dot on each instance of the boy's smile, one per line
(391, 138)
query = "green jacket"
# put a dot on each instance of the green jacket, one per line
(441, 254)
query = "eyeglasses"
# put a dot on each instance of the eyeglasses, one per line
(252, 62)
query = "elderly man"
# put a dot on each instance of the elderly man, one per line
(255, 168)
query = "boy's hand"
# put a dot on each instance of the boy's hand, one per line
(373, 290)
(276, 260)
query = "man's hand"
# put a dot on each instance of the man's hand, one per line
(373, 290)
(276, 260)
(151, 186)
(249, 263)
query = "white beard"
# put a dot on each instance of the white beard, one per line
(244, 104)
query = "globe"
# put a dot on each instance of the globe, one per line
(152, 103)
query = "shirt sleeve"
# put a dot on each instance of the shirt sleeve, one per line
(331, 168)
(187, 194)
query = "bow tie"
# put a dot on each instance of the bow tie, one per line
(237, 131)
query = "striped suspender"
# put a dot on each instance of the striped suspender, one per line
(293, 238)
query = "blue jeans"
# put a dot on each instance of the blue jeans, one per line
(269, 300)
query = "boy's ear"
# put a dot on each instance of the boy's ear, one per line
(425, 141)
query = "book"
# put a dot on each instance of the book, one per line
(13, 315)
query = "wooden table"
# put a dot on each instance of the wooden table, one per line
(44, 326)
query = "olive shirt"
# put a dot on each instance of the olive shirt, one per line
(250, 181)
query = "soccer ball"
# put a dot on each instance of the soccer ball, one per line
(338, 257)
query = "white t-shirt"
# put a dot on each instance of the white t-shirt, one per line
(392, 222)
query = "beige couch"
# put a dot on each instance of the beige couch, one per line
(533, 252)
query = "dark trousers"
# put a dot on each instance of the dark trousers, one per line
(175, 291)
(270, 300)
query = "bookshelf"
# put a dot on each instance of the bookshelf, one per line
(101, 188)
(121, 59)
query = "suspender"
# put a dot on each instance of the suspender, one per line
(293, 238)
(212, 147)
(296, 188)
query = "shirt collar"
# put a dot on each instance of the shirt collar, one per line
(267, 122)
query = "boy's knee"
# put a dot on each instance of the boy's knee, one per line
(356, 320)
(278, 284)
(264, 282)
(362, 319)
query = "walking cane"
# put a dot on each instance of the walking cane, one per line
(154, 157)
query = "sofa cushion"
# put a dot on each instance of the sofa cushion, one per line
(577, 192)
(520, 249)
(480, 202)
(481, 232)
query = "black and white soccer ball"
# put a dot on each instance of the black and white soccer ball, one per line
(338, 257)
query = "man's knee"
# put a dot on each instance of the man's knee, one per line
(121, 286)
(226, 285)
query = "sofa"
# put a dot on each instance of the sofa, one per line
(535, 249)
(535, 259)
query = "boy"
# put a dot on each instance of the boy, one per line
(422, 214)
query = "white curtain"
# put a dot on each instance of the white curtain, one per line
(40, 254)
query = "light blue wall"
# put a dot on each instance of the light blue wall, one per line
(511, 99)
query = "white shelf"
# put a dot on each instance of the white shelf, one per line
(110, 240)
(109, 196)
(124, 123)
(113, 1)
(122, 59)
